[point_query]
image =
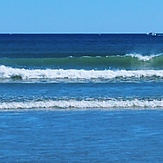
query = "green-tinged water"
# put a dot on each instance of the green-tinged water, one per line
(129, 61)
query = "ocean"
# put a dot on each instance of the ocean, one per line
(81, 98)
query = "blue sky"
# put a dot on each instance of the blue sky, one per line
(81, 16)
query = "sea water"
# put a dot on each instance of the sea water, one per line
(81, 97)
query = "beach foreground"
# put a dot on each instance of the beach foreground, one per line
(81, 136)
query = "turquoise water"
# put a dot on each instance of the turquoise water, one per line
(81, 97)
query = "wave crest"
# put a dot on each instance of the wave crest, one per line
(144, 57)
(128, 61)
(54, 74)
(99, 104)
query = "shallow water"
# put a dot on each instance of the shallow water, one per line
(81, 136)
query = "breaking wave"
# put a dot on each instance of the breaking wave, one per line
(96, 104)
(128, 61)
(9, 73)
(144, 57)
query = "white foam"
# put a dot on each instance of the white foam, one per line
(101, 104)
(144, 57)
(8, 72)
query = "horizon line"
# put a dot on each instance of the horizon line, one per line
(11, 33)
